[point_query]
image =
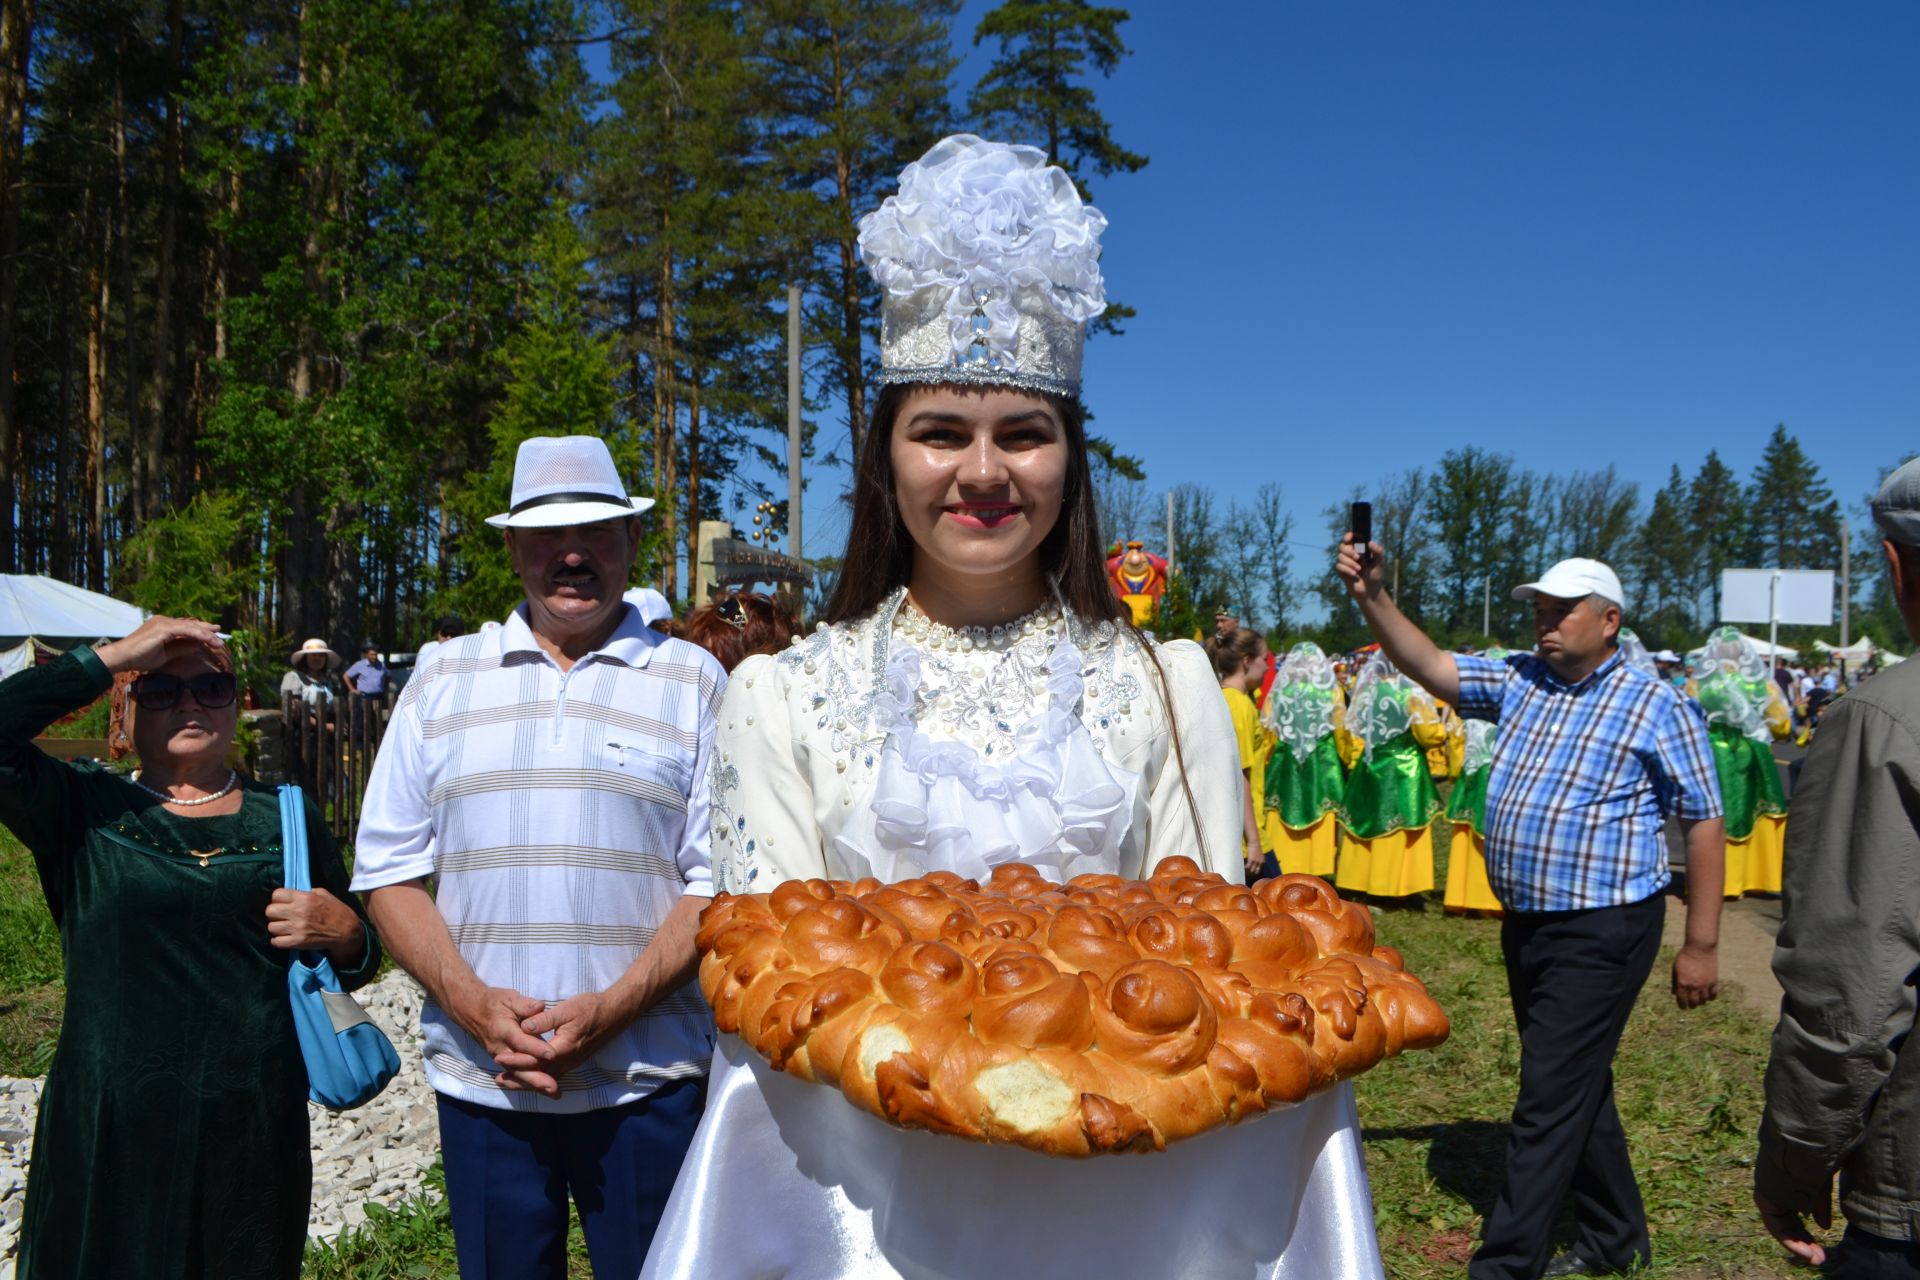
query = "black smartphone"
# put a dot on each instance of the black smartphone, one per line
(1360, 521)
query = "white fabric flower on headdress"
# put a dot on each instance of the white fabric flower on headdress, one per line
(989, 227)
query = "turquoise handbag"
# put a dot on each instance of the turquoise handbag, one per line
(349, 1059)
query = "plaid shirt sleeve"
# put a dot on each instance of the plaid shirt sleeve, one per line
(1483, 683)
(1683, 762)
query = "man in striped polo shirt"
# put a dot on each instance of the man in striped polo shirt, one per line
(1591, 758)
(548, 777)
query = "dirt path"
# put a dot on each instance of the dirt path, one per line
(1747, 927)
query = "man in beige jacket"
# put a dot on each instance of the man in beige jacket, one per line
(1843, 1084)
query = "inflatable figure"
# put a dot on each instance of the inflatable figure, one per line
(1140, 578)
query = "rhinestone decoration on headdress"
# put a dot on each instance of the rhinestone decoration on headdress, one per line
(989, 265)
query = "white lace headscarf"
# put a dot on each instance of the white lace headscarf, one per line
(1724, 672)
(1300, 703)
(1480, 735)
(1375, 716)
(1634, 653)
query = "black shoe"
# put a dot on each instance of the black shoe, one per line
(1574, 1263)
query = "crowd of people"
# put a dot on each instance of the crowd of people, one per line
(1346, 758)
(558, 796)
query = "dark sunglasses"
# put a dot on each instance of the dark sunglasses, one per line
(732, 612)
(162, 692)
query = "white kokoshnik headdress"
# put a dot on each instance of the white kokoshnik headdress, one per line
(989, 264)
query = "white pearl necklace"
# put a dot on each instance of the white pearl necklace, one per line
(922, 631)
(233, 780)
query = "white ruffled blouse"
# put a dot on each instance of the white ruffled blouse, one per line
(891, 746)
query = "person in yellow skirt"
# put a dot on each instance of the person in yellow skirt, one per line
(1745, 712)
(1306, 778)
(1239, 659)
(1467, 886)
(1391, 803)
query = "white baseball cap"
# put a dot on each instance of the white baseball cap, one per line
(652, 605)
(563, 480)
(1575, 579)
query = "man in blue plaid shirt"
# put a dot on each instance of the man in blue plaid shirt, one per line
(1592, 757)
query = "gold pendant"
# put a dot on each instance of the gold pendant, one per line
(205, 855)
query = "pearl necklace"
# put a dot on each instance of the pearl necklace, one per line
(233, 780)
(920, 630)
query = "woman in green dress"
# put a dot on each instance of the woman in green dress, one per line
(172, 1137)
(1745, 712)
(1387, 817)
(1467, 885)
(1305, 779)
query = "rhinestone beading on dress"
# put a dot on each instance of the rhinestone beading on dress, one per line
(924, 633)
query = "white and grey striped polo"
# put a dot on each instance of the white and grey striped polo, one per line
(561, 815)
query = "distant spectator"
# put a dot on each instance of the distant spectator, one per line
(653, 606)
(450, 627)
(368, 677)
(310, 682)
(735, 627)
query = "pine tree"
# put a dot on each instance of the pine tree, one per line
(855, 90)
(1717, 523)
(1035, 91)
(1665, 561)
(557, 379)
(1795, 522)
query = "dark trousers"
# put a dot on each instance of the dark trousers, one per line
(511, 1173)
(1573, 977)
(1866, 1257)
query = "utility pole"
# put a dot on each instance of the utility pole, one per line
(1846, 584)
(793, 421)
(1486, 610)
(1169, 533)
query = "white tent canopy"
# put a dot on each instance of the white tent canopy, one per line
(1859, 651)
(59, 615)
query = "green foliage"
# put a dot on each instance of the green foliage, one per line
(192, 563)
(1034, 91)
(558, 379)
(1794, 522)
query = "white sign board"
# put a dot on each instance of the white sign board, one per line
(1794, 597)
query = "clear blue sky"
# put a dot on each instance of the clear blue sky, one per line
(1579, 234)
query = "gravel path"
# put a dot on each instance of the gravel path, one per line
(377, 1153)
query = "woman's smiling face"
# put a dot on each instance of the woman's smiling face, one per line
(979, 477)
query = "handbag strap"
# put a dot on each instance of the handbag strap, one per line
(294, 872)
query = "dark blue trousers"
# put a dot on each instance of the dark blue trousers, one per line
(1573, 977)
(510, 1175)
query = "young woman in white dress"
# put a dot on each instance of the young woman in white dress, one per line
(978, 695)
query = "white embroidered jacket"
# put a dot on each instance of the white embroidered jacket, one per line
(799, 750)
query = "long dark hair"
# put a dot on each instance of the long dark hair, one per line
(879, 556)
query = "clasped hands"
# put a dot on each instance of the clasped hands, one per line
(533, 1045)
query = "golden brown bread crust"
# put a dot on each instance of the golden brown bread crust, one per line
(1102, 1015)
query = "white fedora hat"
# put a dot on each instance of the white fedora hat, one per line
(562, 480)
(1575, 579)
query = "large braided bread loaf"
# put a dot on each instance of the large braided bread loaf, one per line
(1099, 1015)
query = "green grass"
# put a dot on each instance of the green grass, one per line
(32, 991)
(1688, 1086)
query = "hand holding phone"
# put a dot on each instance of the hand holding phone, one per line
(1360, 522)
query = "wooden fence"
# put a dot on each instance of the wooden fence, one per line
(329, 751)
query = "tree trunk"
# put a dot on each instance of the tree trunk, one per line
(16, 38)
(852, 335)
(130, 336)
(693, 485)
(666, 448)
(153, 443)
(99, 298)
